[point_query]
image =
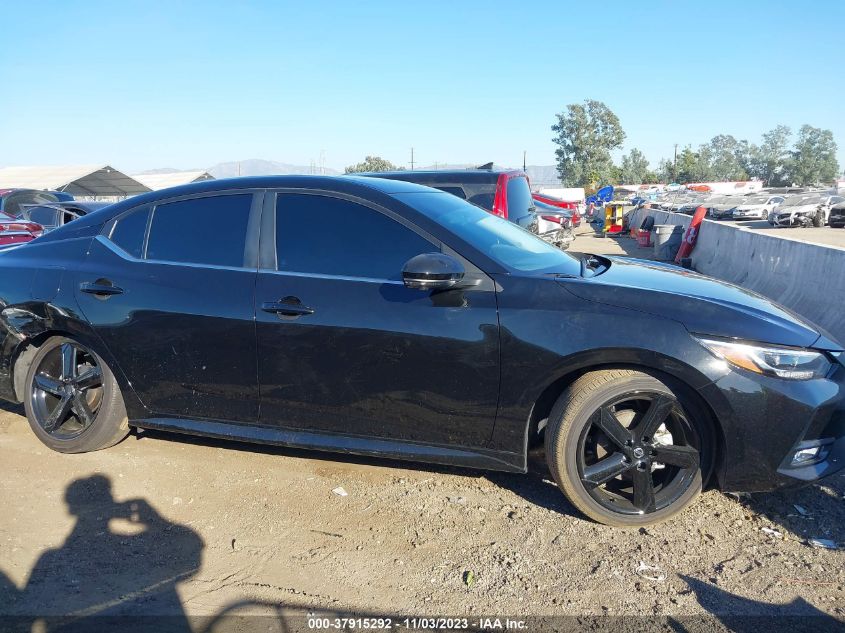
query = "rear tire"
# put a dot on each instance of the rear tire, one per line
(617, 476)
(72, 400)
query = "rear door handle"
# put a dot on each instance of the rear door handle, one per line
(288, 306)
(101, 288)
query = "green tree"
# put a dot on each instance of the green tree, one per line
(666, 171)
(814, 157)
(694, 166)
(586, 134)
(770, 161)
(634, 169)
(724, 157)
(372, 163)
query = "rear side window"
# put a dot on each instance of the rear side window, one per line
(520, 202)
(16, 201)
(45, 216)
(128, 232)
(210, 230)
(330, 236)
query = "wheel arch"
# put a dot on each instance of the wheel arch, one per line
(686, 376)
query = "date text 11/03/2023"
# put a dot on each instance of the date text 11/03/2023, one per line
(345, 623)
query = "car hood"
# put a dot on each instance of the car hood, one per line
(703, 304)
(750, 207)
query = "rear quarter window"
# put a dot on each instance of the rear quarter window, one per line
(129, 230)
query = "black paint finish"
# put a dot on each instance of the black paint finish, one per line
(369, 365)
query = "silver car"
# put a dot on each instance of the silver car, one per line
(756, 207)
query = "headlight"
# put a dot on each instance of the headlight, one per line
(782, 362)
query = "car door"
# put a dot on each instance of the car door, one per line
(344, 347)
(169, 289)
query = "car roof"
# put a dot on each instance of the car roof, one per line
(445, 175)
(340, 184)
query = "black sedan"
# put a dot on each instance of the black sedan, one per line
(385, 318)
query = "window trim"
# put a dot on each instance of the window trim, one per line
(268, 257)
(250, 255)
(108, 230)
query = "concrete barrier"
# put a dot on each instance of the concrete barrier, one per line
(808, 279)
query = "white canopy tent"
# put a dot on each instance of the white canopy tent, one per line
(90, 181)
(172, 179)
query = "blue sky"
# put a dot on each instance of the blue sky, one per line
(182, 84)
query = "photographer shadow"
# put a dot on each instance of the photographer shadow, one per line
(120, 561)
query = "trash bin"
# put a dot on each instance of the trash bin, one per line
(667, 241)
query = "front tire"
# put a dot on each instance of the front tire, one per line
(628, 449)
(72, 400)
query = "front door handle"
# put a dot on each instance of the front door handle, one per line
(288, 306)
(101, 288)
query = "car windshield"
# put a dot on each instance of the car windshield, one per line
(500, 240)
(798, 201)
(756, 200)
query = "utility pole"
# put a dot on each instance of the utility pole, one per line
(412, 159)
(675, 164)
(524, 154)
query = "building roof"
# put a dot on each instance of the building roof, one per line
(77, 180)
(172, 179)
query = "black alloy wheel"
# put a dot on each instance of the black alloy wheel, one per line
(638, 454)
(66, 391)
(630, 448)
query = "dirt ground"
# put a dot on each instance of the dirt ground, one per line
(166, 524)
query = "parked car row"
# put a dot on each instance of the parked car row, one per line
(795, 209)
(29, 213)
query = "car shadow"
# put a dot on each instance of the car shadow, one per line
(303, 453)
(722, 611)
(816, 511)
(120, 559)
(536, 487)
(11, 407)
(737, 613)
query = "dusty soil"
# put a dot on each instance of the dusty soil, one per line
(166, 524)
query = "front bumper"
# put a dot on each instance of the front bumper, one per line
(558, 237)
(771, 421)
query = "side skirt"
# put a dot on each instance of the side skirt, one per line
(336, 443)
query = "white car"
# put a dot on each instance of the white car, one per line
(802, 210)
(756, 207)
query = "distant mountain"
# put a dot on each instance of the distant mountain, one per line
(258, 167)
(161, 170)
(539, 175)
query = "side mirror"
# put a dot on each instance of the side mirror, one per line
(432, 271)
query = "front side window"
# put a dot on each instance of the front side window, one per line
(129, 230)
(329, 236)
(210, 230)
